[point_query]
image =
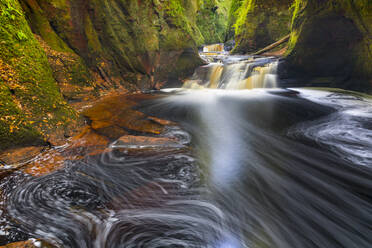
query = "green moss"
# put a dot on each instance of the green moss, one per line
(292, 41)
(14, 128)
(175, 10)
(212, 20)
(232, 17)
(94, 44)
(58, 13)
(332, 38)
(246, 8)
(260, 23)
(35, 105)
(40, 25)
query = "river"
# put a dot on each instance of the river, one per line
(247, 164)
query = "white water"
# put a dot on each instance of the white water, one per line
(248, 73)
(262, 168)
(281, 192)
(343, 131)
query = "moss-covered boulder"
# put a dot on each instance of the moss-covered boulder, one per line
(259, 23)
(332, 39)
(31, 105)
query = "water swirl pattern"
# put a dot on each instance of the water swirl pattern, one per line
(250, 169)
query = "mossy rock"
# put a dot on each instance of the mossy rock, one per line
(31, 106)
(118, 38)
(332, 39)
(213, 20)
(260, 23)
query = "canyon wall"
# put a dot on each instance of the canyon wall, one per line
(259, 23)
(31, 105)
(331, 42)
(59, 51)
(213, 20)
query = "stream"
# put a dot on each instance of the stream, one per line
(247, 165)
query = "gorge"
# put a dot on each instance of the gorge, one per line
(185, 123)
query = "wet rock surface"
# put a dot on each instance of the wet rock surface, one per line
(260, 23)
(331, 42)
(33, 243)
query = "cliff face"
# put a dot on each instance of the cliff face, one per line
(58, 50)
(31, 105)
(259, 23)
(119, 41)
(212, 20)
(332, 39)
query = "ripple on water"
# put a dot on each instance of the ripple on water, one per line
(280, 193)
(152, 201)
(348, 132)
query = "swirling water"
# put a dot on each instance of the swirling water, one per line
(250, 168)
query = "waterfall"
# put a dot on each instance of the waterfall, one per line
(246, 74)
(214, 48)
(233, 72)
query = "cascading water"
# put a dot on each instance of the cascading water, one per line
(248, 73)
(248, 168)
(214, 48)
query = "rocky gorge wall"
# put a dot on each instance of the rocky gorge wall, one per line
(59, 51)
(120, 41)
(31, 105)
(53, 52)
(213, 20)
(330, 41)
(259, 23)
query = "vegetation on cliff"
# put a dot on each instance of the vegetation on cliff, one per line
(31, 106)
(332, 39)
(57, 51)
(259, 23)
(213, 20)
(76, 48)
(120, 42)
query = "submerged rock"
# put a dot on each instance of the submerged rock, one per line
(20, 155)
(145, 142)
